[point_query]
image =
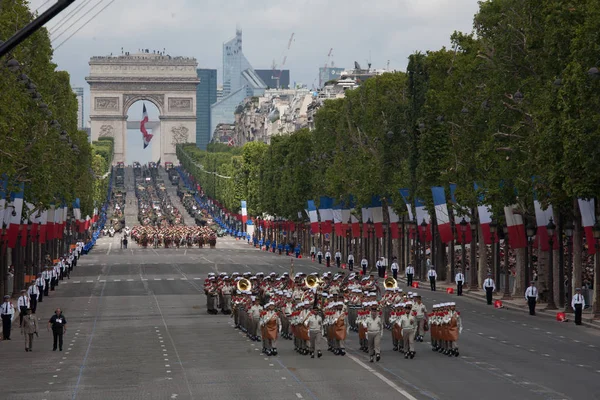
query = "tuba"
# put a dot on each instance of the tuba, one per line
(390, 283)
(312, 281)
(244, 285)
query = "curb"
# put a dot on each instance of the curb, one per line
(588, 323)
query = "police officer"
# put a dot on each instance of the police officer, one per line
(59, 326)
(7, 311)
(460, 281)
(578, 304)
(432, 277)
(350, 262)
(489, 286)
(395, 268)
(531, 295)
(410, 273)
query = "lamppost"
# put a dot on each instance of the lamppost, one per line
(506, 295)
(529, 257)
(348, 231)
(416, 246)
(569, 265)
(463, 233)
(424, 244)
(473, 266)
(596, 297)
(550, 228)
(493, 227)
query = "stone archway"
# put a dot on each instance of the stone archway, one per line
(168, 82)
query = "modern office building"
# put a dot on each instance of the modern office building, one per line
(206, 96)
(275, 78)
(328, 74)
(239, 81)
(79, 93)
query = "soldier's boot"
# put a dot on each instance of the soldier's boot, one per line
(319, 354)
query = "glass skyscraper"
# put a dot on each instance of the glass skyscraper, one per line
(239, 81)
(206, 96)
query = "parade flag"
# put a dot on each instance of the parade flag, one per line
(366, 217)
(423, 215)
(441, 214)
(146, 136)
(377, 215)
(2, 201)
(485, 218)
(588, 219)
(244, 212)
(542, 218)
(77, 215)
(394, 219)
(50, 223)
(314, 216)
(517, 238)
(15, 220)
(326, 213)
(34, 217)
(43, 226)
(458, 219)
(337, 219)
(405, 195)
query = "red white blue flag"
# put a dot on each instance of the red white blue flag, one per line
(147, 137)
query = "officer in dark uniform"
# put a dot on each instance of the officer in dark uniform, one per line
(59, 326)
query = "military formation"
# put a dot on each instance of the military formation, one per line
(173, 236)
(311, 310)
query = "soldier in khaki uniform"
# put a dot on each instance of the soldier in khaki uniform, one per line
(420, 314)
(374, 327)
(28, 329)
(407, 323)
(315, 332)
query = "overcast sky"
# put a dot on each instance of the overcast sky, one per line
(357, 30)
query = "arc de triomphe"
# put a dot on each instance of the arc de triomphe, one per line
(168, 82)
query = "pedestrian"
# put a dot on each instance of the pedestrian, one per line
(489, 286)
(28, 329)
(460, 281)
(410, 273)
(531, 295)
(432, 277)
(22, 305)
(7, 312)
(33, 293)
(395, 268)
(578, 304)
(59, 327)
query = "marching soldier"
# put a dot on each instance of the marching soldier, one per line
(314, 322)
(454, 330)
(211, 297)
(29, 328)
(254, 319)
(374, 328)
(407, 323)
(420, 312)
(226, 290)
(270, 328)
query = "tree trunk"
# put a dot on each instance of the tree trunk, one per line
(521, 283)
(577, 248)
(482, 273)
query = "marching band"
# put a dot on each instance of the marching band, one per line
(308, 308)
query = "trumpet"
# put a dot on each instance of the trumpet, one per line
(390, 283)
(244, 285)
(312, 281)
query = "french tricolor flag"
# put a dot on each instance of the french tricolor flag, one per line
(3, 185)
(314, 216)
(394, 220)
(43, 226)
(77, 214)
(441, 214)
(377, 215)
(423, 215)
(517, 238)
(355, 226)
(15, 220)
(346, 221)
(326, 213)
(50, 223)
(337, 219)
(542, 218)
(366, 217)
(588, 219)
(146, 136)
(457, 220)
(485, 218)
(244, 212)
(34, 217)
(405, 196)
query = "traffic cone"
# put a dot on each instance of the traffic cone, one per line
(561, 317)
(498, 304)
(415, 285)
(450, 290)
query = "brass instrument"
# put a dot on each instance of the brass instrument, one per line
(312, 281)
(244, 285)
(390, 283)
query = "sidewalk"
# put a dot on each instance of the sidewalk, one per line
(516, 304)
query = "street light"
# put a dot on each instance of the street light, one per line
(550, 228)
(529, 259)
(596, 298)
(506, 295)
(569, 235)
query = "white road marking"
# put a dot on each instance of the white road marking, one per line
(284, 378)
(129, 280)
(546, 355)
(183, 279)
(76, 281)
(170, 279)
(197, 279)
(89, 281)
(270, 365)
(101, 281)
(383, 378)
(298, 395)
(109, 248)
(157, 279)
(117, 280)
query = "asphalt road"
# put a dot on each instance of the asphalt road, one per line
(138, 329)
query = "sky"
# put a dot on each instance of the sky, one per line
(379, 31)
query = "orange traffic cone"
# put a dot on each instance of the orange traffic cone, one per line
(450, 290)
(415, 285)
(498, 304)
(561, 317)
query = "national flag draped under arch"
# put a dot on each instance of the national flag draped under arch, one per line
(146, 136)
